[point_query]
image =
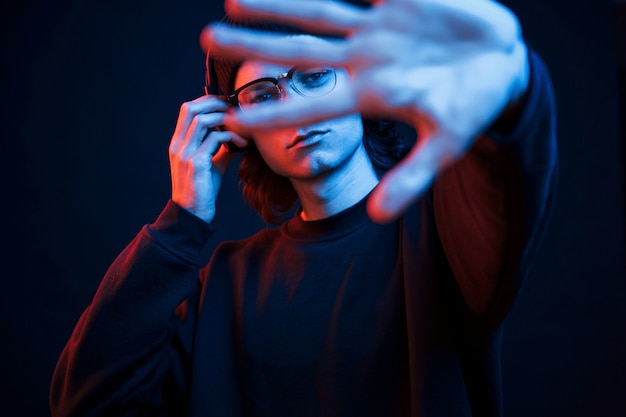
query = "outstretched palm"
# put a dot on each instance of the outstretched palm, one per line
(448, 68)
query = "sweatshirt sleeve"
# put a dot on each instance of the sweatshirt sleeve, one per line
(491, 208)
(127, 354)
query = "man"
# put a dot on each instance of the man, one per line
(332, 313)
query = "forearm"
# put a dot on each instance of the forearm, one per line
(492, 205)
(528, 130)
(121, 342)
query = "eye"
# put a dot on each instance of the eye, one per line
(263, 96)
(314, 78)
(258, 93)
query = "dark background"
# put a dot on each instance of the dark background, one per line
(91, 92)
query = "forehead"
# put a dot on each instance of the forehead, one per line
(253, 69)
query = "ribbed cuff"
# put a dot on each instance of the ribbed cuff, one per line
(180, 231)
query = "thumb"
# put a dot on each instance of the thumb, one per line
(405, 183)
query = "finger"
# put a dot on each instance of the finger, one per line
(190, 109)
(203, 104)
(212, 146)
(262, 46)
(317, 16)
(294, 112)
(495, 20)
(412, 177)
(197, 131)
(472, 20)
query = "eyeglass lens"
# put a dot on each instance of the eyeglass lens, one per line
(312, 82)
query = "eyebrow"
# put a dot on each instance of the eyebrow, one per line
(274, 74)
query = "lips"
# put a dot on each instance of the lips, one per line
(306, 136)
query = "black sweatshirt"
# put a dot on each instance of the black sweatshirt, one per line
(335, 317)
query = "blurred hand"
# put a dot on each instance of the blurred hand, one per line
(197, 159)
(447, 67)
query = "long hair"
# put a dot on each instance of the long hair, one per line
(272, 195)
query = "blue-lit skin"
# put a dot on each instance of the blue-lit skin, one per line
(449, 68)
(325, 161)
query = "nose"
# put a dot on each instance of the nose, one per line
(286, 85)
(287, 89)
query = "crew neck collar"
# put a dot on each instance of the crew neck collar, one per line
(329, 228)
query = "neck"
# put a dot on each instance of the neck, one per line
(332, 192)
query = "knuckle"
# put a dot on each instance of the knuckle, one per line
(193, 125)
(192, 108)
(189, 108)
(184, 108)
(172, 150)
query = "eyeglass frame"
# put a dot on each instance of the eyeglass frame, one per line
(232, 97)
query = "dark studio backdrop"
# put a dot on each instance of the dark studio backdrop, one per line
(91, 92)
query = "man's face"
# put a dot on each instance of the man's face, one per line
(306, 151)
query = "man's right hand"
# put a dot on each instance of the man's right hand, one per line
(197, 159)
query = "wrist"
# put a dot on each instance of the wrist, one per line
(507, 119)
(180, 230)
(206, 214)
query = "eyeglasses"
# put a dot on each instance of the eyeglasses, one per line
(308, 82)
